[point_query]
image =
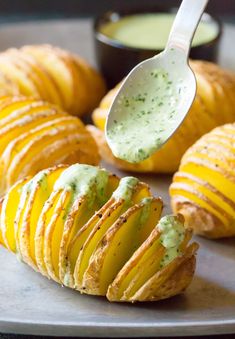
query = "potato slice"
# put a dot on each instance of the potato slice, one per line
(40, 188)
(79, 215)
(119, 243)
(14, 72)
(145, 262)
(152, 262)
(8, 214)
(17, 165)
(44, 219)
(58, 69)
(43, 79)
(79, 239)
(1, 236)
(136, 263)
(125, 196)
(171, 280)
(35, 118)
(53, 234)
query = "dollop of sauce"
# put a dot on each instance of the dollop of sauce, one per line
(125, 189)
(84, 180)
(145, 117)
(151, 31)
(39, 179)
(172, 235)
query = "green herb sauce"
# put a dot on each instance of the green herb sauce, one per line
(84, 180)
(146, 117)
(172, 235)
(151, 31)
(125, 189)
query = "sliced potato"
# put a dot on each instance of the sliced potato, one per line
(97, 234)
(119, 243)
(171, 280)
(78, 217)
(40, 189)
(44, 219)
(120, 206)
(9, 209)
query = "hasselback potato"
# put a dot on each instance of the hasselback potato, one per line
(203, 188)
(89, 230)
(213, 106)
(52, 74)
(35, 135)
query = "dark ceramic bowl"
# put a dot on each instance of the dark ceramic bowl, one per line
(115, 59)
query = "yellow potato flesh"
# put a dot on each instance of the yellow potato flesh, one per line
(200, 202)
(207, 192)
(45, 218)
(7, 107)
(101, 228)
(57, 230)
(26, 86)
(40, 198)
(37, 146)
(10, 207)
(137, 267)
(58, 70)
(150, 265)
(119, 252)
(37, 117)
(95, 236)
(53, 234)
(43, 80)
(18, 59)
(130, 272)
(77, 240)
(216, 179)
(19, 232)
(82, 215)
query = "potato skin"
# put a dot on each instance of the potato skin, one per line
(202, 189)
(213, 106)
(89, 245)
(36, 135)
(52, 74)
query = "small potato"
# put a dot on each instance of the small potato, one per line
(52, 74)
(91, 231)
(36, 135)
(203, 188)
(213, 106)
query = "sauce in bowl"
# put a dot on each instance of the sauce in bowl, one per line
(151, 31)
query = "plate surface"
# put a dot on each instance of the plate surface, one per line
(30, 304)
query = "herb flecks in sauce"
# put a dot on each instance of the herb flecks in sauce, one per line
(172, 235)
(84, 180)
(144, 124)
(125, 189)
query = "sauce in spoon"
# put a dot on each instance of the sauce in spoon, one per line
(146, 117)
(157, 94)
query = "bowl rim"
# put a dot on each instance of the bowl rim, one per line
(106, 17)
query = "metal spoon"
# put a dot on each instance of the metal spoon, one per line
(156, 96)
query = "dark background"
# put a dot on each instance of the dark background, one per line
(33, 9)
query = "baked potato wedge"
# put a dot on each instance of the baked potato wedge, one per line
(213, 106)
(36, 135)
(203, 188)
(52, 74)
(89, 230)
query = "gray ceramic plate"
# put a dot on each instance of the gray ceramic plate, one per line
(30, 304)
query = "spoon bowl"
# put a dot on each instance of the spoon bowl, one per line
(157, 94)
(153, 101)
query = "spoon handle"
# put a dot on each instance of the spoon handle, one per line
(185, 24)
